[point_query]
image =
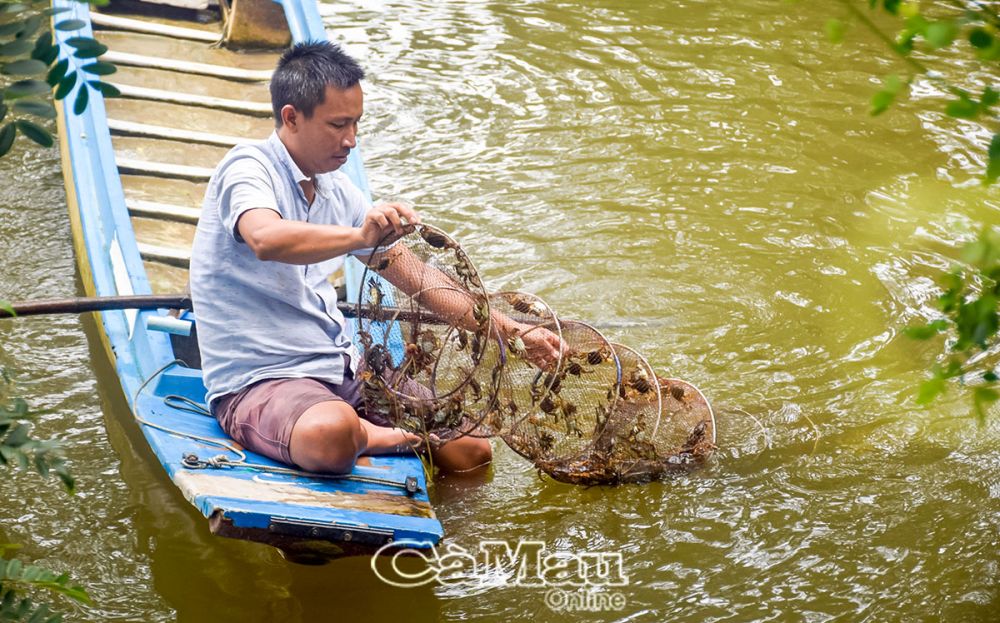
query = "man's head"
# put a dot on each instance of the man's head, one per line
(317, 101)
(305, 71)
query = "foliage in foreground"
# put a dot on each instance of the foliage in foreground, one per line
(18, 449)
(970, 301)
(32, 67)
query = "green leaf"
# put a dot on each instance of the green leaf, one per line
(993, 167)
(10, 28)
(35, 132)
(42, 46)
(7, 135)
(963, 108)
(977, 322)
(3, 110)
(57, 72)
(989, 98)
(929, 390)
(16, 47)
(67, 479)
(107, 90)
(927, 331)
(91, 52)
(835, 30)
(24, 88)
(13, 569)
(82, 98)
(26, 67)
(983, 398)
(100, 68)
(65, 86)
(884, 98)
(891, 6)
(975, 251)
(990, 376)
(941, 34)
(881, 102)
(35, 107)
(86, 47)
(70, 24)
(980, 38)
(7, 307)
(30, 26)
(18, 436)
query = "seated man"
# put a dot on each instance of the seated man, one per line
(281, 371)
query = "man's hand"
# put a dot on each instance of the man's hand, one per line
(542, 347)
(384, 223)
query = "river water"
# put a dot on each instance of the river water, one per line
(703, 181)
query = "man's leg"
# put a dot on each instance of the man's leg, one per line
(329, 437)
(465, 454)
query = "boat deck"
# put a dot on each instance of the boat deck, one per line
(136, 169)
(185, 102)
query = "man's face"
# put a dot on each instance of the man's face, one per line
(320, 143)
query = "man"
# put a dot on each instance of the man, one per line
(277, 220)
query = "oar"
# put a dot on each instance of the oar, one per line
(80, 305)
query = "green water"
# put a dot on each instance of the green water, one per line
(704, 181)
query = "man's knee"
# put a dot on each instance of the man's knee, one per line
(327, 438)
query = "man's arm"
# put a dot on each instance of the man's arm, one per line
(273, 238)
(440, 294)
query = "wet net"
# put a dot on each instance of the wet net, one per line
(443, 358)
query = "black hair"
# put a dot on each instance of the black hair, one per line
(305, 71)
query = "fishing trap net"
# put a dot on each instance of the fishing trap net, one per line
(444, 357)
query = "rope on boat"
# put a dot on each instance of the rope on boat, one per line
(220, 461)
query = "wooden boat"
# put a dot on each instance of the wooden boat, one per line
(135, 169)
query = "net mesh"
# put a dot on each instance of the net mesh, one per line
(444, 357)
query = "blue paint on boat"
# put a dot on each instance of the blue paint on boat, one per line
(278, 508)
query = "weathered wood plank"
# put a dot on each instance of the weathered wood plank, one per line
(186, 67)
(128, 166)
(138, 25)
(163, 211)
(145, 130)
(181, 258)
(173, 97)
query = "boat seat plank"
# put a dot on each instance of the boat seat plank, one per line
(204, 101)
(163, 211)
(129, 166)
(188, 118)
(181, 258)
(137, 25)
(186, 67)
(146, 130)
(192, 51)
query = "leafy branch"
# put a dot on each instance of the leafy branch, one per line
(976, 23)
(970, 299)
(969, 304)
(19, 449)
(33, 68)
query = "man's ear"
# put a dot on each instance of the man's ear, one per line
(289, 116)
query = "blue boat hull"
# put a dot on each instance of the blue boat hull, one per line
(296, 512)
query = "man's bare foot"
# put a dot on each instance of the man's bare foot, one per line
(383, 440)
